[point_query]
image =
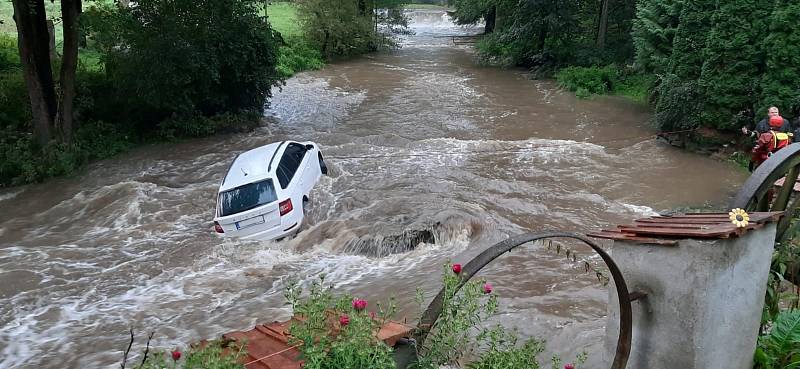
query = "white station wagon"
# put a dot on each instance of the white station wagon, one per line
(264, 194)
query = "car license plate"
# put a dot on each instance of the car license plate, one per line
(250, 222)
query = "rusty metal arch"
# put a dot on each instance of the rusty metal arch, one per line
(623, 350)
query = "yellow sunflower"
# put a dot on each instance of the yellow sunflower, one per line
(739, 217)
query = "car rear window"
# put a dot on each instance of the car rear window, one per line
(246, 197)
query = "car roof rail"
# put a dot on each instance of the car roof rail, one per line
(269, 166)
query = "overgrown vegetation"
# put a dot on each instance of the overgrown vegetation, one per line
(339, 332)
(296, 53)
(217, 354)
(340, 28)
(780, 348)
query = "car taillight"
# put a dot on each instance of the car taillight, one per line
(218, 228)
(285, 206)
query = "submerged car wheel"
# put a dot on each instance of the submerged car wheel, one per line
(322, 166)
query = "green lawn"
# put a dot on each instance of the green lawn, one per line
(6, 22)
(283, 18)
(53, 9)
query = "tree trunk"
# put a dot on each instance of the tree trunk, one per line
(51, 31)
(490, 17)
(71, 11)
(34, 51)
(602, 26)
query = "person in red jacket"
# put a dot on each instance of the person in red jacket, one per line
(769, 142)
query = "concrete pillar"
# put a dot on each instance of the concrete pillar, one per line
(703, 305)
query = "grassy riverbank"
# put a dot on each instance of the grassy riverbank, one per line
(297, 54)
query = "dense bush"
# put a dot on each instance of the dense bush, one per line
(338, 27)
(779, 85)
(595, 80)
(22, 161)
(780, 348)
(15, 112)
(586, 81)
(353, 345)
(9, 54)
(297, 55)
(168, 57)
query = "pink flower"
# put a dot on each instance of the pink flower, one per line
(176, 355)
(344, 320)
(569, 366)
(457, 268)
(359, 304)
(487, 288)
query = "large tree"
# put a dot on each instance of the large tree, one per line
(779, 85)
(679, 97)
(733, 61)
(51, 111)
(653, 33)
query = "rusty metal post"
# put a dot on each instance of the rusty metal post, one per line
(704, 297)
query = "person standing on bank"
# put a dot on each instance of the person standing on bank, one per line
(764, 126)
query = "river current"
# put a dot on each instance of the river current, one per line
(421, 138)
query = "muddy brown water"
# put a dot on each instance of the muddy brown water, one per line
(419, 138)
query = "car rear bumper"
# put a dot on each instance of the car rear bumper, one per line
(289, 224)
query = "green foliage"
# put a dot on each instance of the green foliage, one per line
(352, 346)
(350, 27)
(594, 80)
(678, 104)
(586, 81)
(733, 62)
(197, 125)
(635, 86)
(463, 311)
(15, 112)
(180, 57)
(9, 54)
(502, 49)
(546, 34)
(22, 161)
(653, 33)
(502, 351)
(786, 256)
(470, 11)
(298, 56)
(779, 85)
(780, 348)
(212, 355)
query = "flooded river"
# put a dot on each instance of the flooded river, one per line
(419, 138)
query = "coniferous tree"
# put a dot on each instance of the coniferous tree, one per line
(683, 69)
(653, 32)
(780, 85)
(733, 62)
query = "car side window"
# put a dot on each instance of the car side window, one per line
(290, 161)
